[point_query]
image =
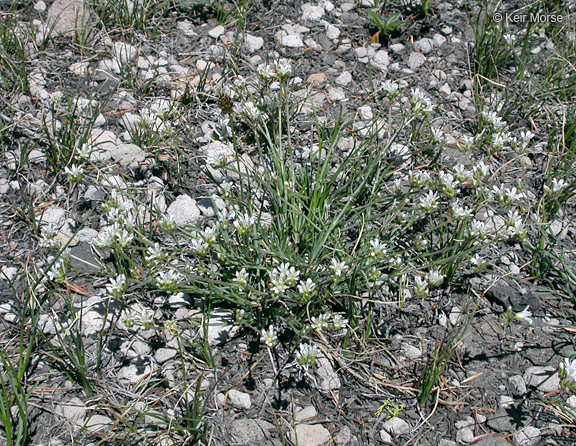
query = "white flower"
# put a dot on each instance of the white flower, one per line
(338, 268)
(477, 229)
(459, 212)
(437, 134)
(248, 110)
(527, 136)
(429, 202)
(321, 322)
(306, 289)
(378, 249)
(241, 278)
(282, 68)
(467, 143)
(420, 287)
(568, 370)
(269, 337)
(74, 173)
(494, 120)
(506, 195)
(421, 104)
(168, 281)
(509, 38)
(209, 235)
(558, 185)
(391, 88)
(167, 223)
(116, 286)
(244, 223)
(524, 315)
(265, 71)
(435, 278)
(307, 354)
(199, 247)
(478, 263)
(154, 253)
(448, 183)
(418, 178)
(84, 152)
(461, 174)
(337, 322)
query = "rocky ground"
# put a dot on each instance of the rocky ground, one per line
(145, 96)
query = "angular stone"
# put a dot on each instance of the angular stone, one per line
(545, 379)
(396, 426)
(310, 435)
(292, 41)
(98, 423)
(527, 437)
(416, 60)
(183, 210)
(306, 414)
(67, 17)
(240, 400)
(312, 12)
(216, 31)
(253, 43)
(248, 431)
(128, 155)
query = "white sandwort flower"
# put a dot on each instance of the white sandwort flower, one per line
(116, 286)
(524, 316)
(435, 278)
(377, 248)
(242, 278)
(307, 354)
(338, 268)
(269, 337)
(568, 371)
(429, 202)
(74, 173)
(306, 289)
(244, 223)
(420, 287)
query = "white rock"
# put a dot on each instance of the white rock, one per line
(252, 43)
(184, 210)
(52, 216)
(381, 60)
(425, 45)
(518, 385)
(410, 351)
(527, 437)
(445, 89)
(344, 79)
(572, 401)
(439, 39)
(306, 414)
(164, 354)
(128, 155)
(86, 235)
(219, 330)
(336, 94)
(332, 32)
(67, 16)
(216, 31)
(545, 379)
(139, 368)
(397, 48)
(124, 52)
(292, 41)
(327, 378)
(310, 435)
(385, 437)
(312, 12)
(40, 6)
(347, 7)
(396, 426)
(465, 435)
(416, 60)
(98, 423)
(327, 5)
(365, 112)
(73, 410)
(103, 142)
(37, 157)
(8, 272)
(505, 401)
(92, 322)
(240, 400)
(109, 66)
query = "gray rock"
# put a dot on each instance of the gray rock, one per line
(252, 43)
(240, 400)
(219, 330)
(310, 435)
(344, 79)
(248, 431)
(327, 377)
(425, 45)
(216, 31)
(163, 355)
(439, 39)
(465, 436)
(365, 113)
(312, 12)
(138, 369)
(397, 48)
(385, 437)
(83, 259)
(545, 379)
(306, 414)
(98, 423)
(336, 94)
(381, 60)
(8, 273)
(103, 142)
(344, 436)
(416, 60)
(396, 426)
(73, 410)
(505, 401)
(508, 420)
(332, 32)
(68, 17)
(124, 52)
(37, 157)
(184, 210)
(128, 155)
(492, 441)
(409, 351)
(52, 216)
(292, 41)
(518, 385)
(527, 437)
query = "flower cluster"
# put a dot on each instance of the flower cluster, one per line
(329, 321)
(282, 278)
